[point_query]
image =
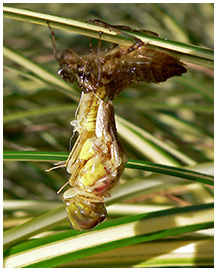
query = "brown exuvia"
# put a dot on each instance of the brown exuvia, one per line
(118, 68)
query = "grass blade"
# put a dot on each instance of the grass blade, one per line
(150, 146)
(40, 72)
(157, 168)
(172, 171)
(190, 53)
(113, 234)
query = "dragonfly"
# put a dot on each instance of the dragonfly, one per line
(97, 159)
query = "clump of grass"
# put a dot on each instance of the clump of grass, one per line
(167, 130)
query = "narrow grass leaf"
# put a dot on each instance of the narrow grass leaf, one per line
(152, 147)
(114, 234)
(191, 53)
(134, 164)
(38, 112)
(172, 171)
(170, 252)
(42, 73)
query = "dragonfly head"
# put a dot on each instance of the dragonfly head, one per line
(83, 214)
(68, 62)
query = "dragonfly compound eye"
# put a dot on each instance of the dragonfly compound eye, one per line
(84, 215)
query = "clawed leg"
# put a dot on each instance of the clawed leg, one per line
(117, 28)
(57, 165)
(53, 39)
(122, 27)
(100, 23)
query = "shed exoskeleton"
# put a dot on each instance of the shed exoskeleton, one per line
(97, 158)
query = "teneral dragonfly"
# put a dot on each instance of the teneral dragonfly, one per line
(97, 158)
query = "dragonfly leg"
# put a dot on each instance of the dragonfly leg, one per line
(61, 188)
(57, 165)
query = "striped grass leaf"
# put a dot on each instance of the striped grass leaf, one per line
(171, 252)
(58, 249)
(145, 166)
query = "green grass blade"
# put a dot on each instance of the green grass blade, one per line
(157, 168)
(153, 184)
(153, 148)
(34, 156)
(35, 206)
(153, 254)
(172, 171)
(71, 107)
(190, 53)
(35, 113)
(25, 74)
(40, 206)
(113, 234)
(182, 127)
(201, 87)
(36, 225)
(40, 72)
(147, 106)
(129, 189)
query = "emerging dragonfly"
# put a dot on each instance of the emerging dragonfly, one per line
(97, 158)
